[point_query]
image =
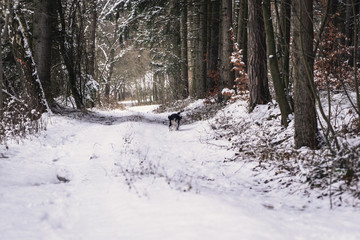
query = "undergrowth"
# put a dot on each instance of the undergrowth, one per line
(193, 110)
(18, 120)
(259, 137)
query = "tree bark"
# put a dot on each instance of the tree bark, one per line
(1, 75)
(227, 76)
(213, 69)
(112, 63)
(285, 16)
(303, 61)
(257, 68)
(201, 81)
(279, 86)
(42, 41)
(92, 40)
(190, 47)
(183, 52)
(242, 28)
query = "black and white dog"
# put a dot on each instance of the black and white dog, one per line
(174, 121)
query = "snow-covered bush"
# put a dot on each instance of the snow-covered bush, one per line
(18, 120)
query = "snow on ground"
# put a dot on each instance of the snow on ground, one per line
(124, 175)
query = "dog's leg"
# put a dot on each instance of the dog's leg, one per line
(170, 120)
(172, 125)
(178, 124)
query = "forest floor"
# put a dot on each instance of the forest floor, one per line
(124, 175)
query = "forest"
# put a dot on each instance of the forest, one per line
(84, 54)
(269, 141)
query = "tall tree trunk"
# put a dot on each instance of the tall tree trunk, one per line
(257, 69)
(201, 86)
(92, 42)
(285, 16)
(279, 86)
(112, 63)
(1, 75)
(183, 41)
(3, 36)
(195, 52)
(355, 57)
(190, 47)
(213, 69)
(34, 94)
(303, 61)
(227, 76)
(42, 41)
(242, 28)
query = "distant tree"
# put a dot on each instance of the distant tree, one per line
(191, 31)
(183, 51)
(284, 31)
(202, 49)
(241, 35)
(92, 47)
(92, 36)
(213, 46)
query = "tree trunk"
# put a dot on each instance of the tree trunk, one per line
(285, 16)
(92, 42)
(183, 39)
(279, 86)
(42, 41)
(1, 76)
(356, 60)
(190, 47)
(3, 36)
(201, 81)
(303, 60)
(93, 25)
(68, 59)
(34, 94)
(226, 74)
(257, 69)
(213, 69)
(112, 62)
(242, 28)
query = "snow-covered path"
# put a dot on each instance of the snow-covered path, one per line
(130, 178)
